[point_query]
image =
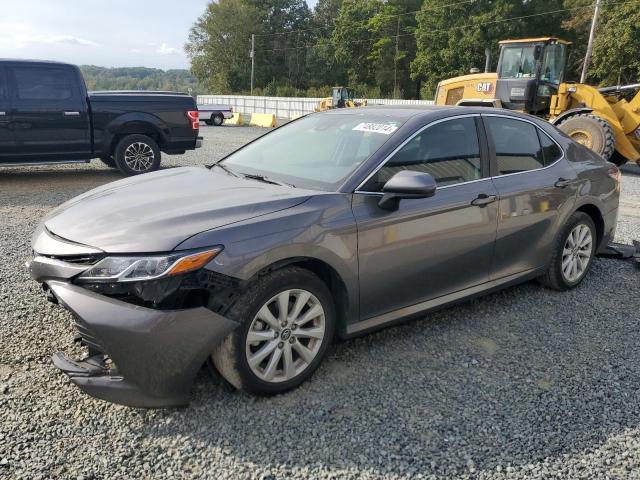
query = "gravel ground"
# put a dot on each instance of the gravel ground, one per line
(525, 383)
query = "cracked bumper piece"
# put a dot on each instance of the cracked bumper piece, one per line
(156, 353)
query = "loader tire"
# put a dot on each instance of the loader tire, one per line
(591, 131)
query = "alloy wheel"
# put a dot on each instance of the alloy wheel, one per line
(139, 157)
(285, 336)
(576, 253)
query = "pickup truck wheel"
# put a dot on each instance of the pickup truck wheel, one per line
(136, 154)
(218, 120)
(208, 121)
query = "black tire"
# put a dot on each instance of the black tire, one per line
(208, 121)
(592, 132)
(218, 120)
(109, 162)
(230, 358)
(554, 277)
(145, 144)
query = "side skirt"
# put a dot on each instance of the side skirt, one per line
(405, 313)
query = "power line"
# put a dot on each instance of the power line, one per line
(490, 22)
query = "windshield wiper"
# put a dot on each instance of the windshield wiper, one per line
(262, 178)
(226, 169)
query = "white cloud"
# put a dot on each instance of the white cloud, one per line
(166, 50)
(56, 40)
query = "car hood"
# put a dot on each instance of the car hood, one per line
(157, 211)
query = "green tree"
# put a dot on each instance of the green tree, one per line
(615, 54)
(451, 39)
(219, 45)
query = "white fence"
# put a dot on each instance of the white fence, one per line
(286, 107)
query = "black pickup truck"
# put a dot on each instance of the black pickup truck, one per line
(47, 116)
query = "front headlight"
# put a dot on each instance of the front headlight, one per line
(137, 268)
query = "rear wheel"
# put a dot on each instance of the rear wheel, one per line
(591, 131)
(286, 321)
(136, 154)
(573, 253)
(208, 121)
(218, 120)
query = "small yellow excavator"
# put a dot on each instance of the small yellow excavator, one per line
(342, 97)
(531, 78)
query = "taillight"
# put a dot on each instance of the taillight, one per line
(616, 175)
(194, 116)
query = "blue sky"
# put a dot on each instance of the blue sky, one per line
(123, 33)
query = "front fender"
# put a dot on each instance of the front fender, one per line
(323, 229)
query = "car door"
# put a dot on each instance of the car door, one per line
(50, 115)
(432, 246)
(536, 186)
(7, 140)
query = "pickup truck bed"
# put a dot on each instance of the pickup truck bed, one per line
(47, 115)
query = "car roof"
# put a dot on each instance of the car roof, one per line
(408, 111)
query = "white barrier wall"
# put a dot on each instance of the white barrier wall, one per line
(286, 107)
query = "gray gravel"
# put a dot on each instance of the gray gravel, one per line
(525, 383)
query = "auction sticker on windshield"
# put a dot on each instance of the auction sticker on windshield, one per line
(384, 128)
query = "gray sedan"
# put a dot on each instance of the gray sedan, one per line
(338, 223)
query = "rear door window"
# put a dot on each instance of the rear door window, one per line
(516, 143)
(44, 83)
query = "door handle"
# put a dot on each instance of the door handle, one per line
(71, 114)
(483, 199)
(562, 183)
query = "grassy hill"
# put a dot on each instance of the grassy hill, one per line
(139, 78)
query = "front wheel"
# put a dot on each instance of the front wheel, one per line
(136, 154)
(574, 251)
(218, 120)
(287, 320)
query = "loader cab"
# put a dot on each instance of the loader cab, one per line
(342, 96)
(530, 71)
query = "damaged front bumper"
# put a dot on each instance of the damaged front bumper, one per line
(138, 356)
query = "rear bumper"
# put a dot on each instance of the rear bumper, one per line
(156, 353)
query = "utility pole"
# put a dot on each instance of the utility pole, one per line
(395, 63)
(592, 33)
(252, 55)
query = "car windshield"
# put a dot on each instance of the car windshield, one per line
(317, 151)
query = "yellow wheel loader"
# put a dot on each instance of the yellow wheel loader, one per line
(342, 97)
(531, 78)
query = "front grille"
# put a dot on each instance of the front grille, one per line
(454, 96)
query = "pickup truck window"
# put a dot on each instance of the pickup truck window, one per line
(4, 93)
(43, 83)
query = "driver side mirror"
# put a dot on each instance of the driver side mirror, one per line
(404, 185)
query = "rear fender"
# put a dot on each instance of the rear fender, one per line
(136, 123)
